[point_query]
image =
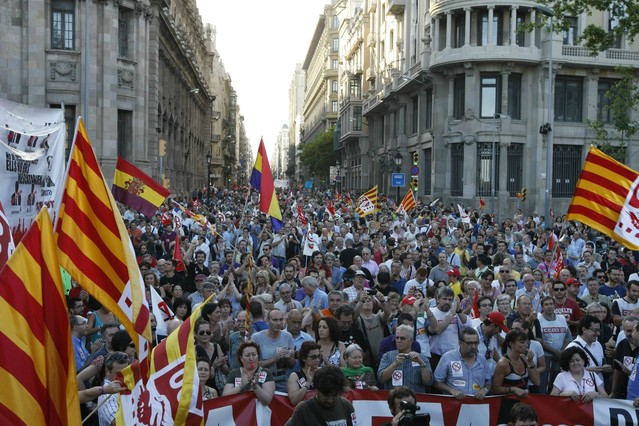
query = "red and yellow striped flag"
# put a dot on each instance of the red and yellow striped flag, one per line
(368, 202)
(407, 203)
(95, 248)
(606, 198)
(37, 367)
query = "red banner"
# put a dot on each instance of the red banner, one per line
(371, 408)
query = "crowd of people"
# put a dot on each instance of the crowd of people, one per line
(422, 302)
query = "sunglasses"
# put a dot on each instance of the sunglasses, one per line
(205, 333)
(314, 356)
(559, 289)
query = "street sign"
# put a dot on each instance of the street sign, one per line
(308, 184)
(399, 180)
(414, 171)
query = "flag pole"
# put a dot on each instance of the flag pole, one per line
(58, 199)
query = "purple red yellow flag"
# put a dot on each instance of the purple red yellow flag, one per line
(262, 181)
(134, 188)
(94, 246)
(606, 198)
(37, 366)
(368, 202)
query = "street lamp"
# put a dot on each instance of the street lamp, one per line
(546, 129)
(398, 167)
(209, 158)
(338, 178)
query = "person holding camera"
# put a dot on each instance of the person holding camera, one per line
(402, 404)
(404, 367)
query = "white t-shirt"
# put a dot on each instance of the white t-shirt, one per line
(447, 339)
(565, 382)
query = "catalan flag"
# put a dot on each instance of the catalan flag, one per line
(606, 198)
(37, 367)
(368, 202)
(134, 188)
(94, 247)
(407, 203)
(173, 387)
(262, 181)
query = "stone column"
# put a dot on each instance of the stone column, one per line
(491, 10)
(436, 34)
(449, 29)
(467, 27)
(513, 26)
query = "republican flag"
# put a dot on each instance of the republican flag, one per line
(37, 366)
(262, 181)
(408, 203)
(172, 394)
(199, 218)
(134, 188)
(606, 199)
(177, 255)
(368, 203)
(95, 248)
(7, 246)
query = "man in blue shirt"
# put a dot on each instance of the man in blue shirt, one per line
(78, 332)
(461, 372)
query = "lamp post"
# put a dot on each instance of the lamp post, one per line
(209, 157)
(338, 178)
(547, 128)
(398, 167)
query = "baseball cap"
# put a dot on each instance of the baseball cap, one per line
(360, 273)
(572, 281)
(408, 300)
(499, 320)
(200, 277)
(453, 272)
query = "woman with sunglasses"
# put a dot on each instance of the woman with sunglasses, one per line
(301, 382)
(205, 348)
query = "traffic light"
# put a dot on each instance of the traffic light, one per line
(414, 184)
(415, 158)
(162, 147)
(522, 195)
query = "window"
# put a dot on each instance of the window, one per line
(335, 47)
(415, 114)
(613, 23)
(334, 64)
(485, 168)
(357, 118)
(604, 114)
(355, 87)
(490, 96)
(520, 35)
(334, 86)
(427, 111)
(125, 134)
(335, 22)
(334, 107)
(482, 36)
(426, 171)
(570, 34)
(566, 166)
(515, 168)
(459, 96)
(459, 27)
(514, 96)
(124, 31)
(63, 24)
(457, 169)
(568, 99)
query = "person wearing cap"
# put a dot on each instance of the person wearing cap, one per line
(566, 307)
(574, 287)
(463, 371)
(489, 338)
(453, 281)
(359, 281)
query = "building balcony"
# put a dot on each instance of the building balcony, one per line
(328, 73)
(396, 7)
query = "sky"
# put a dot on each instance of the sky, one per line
(260, 42)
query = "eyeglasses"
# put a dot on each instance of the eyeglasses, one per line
(559, 288)
(501, 271)
(474, 343)
(595, 330)
(314, 356)
(595, 312)
(204, 333)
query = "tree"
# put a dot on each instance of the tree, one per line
(317, 155)
(622, 99)
(624, 14)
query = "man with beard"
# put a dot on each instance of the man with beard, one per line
(443, 328)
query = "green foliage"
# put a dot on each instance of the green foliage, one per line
(623, 98)
(317, 156)
(596, 38)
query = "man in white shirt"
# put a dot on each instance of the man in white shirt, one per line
(420, 282)
(588, 331)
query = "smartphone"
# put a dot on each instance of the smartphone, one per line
(371, 291)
